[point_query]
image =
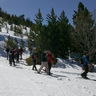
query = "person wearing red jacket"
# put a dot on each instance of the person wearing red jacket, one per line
(49, 60)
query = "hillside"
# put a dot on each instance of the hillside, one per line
(23, 81)
(16, 27)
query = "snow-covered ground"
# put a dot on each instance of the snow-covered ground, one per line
(22, 81)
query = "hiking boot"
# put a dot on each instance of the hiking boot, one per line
(38, 72)
(85, 77)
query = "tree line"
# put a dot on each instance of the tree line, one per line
(58, 35)
(17, 20)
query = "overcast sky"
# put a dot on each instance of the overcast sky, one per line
(30, 7)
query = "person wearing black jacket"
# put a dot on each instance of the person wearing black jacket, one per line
(7, 51)
(11, 58)
(34, 60)
(85, 62)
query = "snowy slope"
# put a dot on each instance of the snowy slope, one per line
(4, 35)
(22, 81)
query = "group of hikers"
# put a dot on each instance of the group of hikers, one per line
(47, 58)
(46, 61)
(14, 55)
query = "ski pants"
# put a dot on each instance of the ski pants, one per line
(44, 64)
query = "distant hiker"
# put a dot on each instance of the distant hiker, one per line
(44, 62)
(14, 51)
(85, 62)
(17, 55)
(11, 58)
(34, 60)
(7, 51)
(49, 60)
(21, 52)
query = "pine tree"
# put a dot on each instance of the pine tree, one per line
(18, 31)
(6, 26)
(63, 35)
(52, 32)
(31, 40)
(38, 30)
(0, 28)
(11, 28)
(22, 43)
(83, 23)
(1, 23)
(10, 42)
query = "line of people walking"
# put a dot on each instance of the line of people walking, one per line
(47, 59)
(14, 55)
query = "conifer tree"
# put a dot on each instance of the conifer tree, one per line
(22, 43)
(0, 26)
(52, 32)
(10, 42)
(38, 29)
(1, 23)
(83, 23)
(31, 40)
(11, 28)
(63, 35)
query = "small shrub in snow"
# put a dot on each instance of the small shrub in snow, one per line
(29, 61)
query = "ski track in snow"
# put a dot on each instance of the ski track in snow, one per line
(22, 81)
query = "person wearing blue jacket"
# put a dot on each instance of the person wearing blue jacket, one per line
(85, 62)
